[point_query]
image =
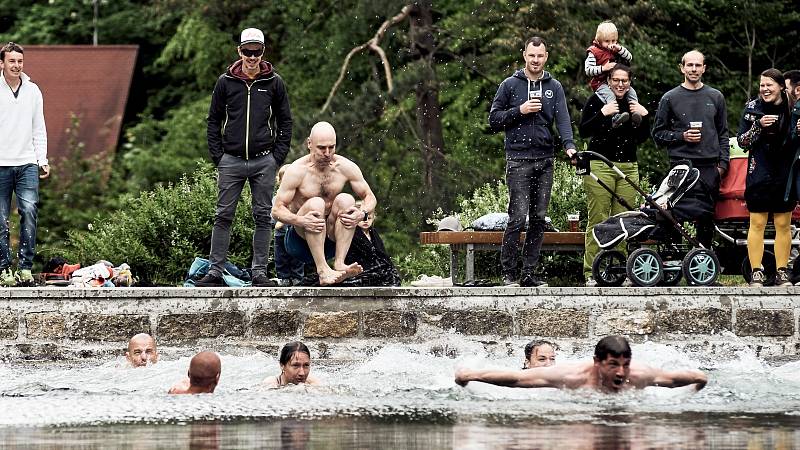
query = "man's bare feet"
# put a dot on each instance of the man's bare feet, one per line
(350, 270)
(329, 276)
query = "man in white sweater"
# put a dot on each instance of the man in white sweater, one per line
(23, 152)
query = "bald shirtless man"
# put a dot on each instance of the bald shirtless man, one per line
(142, 350)
(320, 218)
(203, 376)
(610, 371)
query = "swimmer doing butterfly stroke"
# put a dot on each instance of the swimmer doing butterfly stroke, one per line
(610, 371)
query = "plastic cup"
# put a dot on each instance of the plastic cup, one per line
(573, 220)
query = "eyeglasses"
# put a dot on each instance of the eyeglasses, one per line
(251, 53)
(620, 81)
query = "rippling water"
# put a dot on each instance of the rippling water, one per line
(401, 396)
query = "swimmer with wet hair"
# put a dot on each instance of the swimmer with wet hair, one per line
(610, 371)
(295, 362)
(539, 354)
(203, 375)
(142, 350)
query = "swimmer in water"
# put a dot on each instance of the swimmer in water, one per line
(142, 350)
(539, 354)
(610, 371)
(203, 375)
(295, 362)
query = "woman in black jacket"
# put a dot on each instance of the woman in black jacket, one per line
(763, 131)
(618, 145)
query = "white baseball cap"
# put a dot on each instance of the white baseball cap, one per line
(251, 35)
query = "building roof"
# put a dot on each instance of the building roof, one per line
(91, 82)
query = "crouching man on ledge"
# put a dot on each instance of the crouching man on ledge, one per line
(321, 220)
(610, 371)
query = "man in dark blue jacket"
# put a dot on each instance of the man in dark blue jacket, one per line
(525, 107)
(249, 132)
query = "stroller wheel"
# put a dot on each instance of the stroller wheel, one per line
(700, 267)
(645, 267)
(608, 268)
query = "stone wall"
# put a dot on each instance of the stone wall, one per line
(53, 323)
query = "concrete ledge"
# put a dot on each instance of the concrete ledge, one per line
(36, 323)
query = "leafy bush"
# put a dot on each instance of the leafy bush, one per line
(159, 233)
(79, 186)
(159, 151)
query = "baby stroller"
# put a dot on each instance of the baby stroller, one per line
(732, 221)
(660, 249)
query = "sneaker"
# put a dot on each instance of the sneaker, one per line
(528, 280)
(261, 280)
(283, 282)
(210, 280)
(783, 277)
(7, 278)
(591, 282)
(758, 278)
(25, 278)
(627, 282)
(510, 281)
(636, 119)
(432, 281)
(618, 119)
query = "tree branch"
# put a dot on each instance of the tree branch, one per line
(372, 44)
(728, 70)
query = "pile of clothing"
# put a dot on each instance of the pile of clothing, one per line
(57, 272)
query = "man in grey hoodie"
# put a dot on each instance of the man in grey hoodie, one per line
(525, 107)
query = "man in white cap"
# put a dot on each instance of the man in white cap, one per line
(249, 132)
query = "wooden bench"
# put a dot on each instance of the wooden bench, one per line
(469, 241)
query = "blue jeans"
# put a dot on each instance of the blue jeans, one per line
(297, 247)
(23, 181)
(529, 184)
(286, 266)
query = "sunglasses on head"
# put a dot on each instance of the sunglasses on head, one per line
(252, 53)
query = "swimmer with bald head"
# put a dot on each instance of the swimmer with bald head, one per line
(610, 371)
(142, 350)
(203, 375)
(321, 219)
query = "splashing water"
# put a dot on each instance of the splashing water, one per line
(399, 383)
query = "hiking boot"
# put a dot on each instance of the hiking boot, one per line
(783, 277)
(591, 282)
(261, 280)
(618, 119)
(7, 278)
(510, 281)
(25, 278)
(210, 280)
(758, 278)
(636, 119)
(528, 280)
